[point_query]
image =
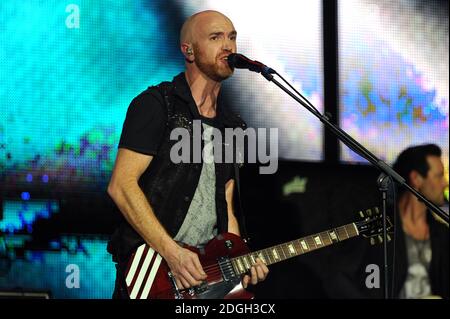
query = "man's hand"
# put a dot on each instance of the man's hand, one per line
(185, 267)
(258, 273)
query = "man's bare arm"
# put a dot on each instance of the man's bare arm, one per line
(129, 198)
(259, 271)
(233, 226)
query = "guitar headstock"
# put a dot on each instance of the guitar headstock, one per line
(371, 225)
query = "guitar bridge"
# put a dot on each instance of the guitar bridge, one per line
(176, 291)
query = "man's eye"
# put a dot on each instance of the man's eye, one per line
(214, 38)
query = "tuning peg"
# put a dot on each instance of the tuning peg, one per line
(380, 238)
(369, 212)
(389, 237)
(361, 213)
(372, 241)
(377, 211)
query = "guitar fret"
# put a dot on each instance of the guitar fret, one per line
(261, 256)
(282, 251)
(291, 249)
(317, 241)
(328, 235)
(275, 254)
(266, 257)
(246, 263)
(355, 229)
(314, 240)
(333, 236)
(340, 234)
(323, 238)
(276, 248)
(249, 261)
(326, 238)
(351, 228)
(346, 232)
(271, 257)
(322, 242)
(304, 244)
(286, 250)
(239, 264)
(300, 248)
(311, 243)
(253, 259)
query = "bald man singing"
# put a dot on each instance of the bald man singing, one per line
(165, 203)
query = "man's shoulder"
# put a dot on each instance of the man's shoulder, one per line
(154, 92)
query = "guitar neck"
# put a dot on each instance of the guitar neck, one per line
(295, 248)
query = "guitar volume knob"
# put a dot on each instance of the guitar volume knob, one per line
(229, 244)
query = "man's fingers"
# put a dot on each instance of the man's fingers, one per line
(192, 282)
(197, 274)
(262, 269)
(245, 281)
(199, 268)
(179, 284)
(263, 265)
(184, 283)
(254, 275)
(260, 272)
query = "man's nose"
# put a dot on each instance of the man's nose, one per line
(227, 45)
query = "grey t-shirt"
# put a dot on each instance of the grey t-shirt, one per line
(200, 224)
(417, 284)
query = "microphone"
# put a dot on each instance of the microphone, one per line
(240, 61)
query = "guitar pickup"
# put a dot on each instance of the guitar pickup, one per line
(226, 269)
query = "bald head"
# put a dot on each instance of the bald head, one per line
(195, 23)
(206, 39)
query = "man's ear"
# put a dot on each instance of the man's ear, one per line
(188, 52)
(415, 179)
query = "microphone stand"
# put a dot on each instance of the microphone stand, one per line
(383, 180)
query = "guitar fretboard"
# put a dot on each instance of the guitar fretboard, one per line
(294, 248)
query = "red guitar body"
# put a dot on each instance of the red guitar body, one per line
(148, 275)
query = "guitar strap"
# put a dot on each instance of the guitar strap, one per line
(165, 88)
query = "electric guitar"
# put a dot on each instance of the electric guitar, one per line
(226, 258)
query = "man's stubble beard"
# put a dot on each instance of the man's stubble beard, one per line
(212, 70)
